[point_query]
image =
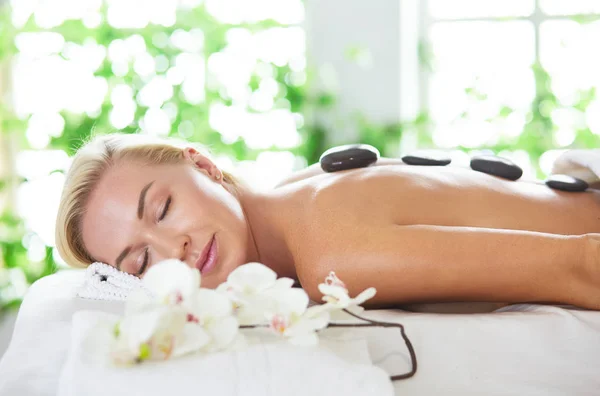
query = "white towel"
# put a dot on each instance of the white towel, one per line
(582, 164)
(258, 370)
(104, 282)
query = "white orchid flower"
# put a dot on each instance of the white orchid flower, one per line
(256, 292)
(170, 282)
(336, 296)
(291, 318)
(172, 315)
(190, 340)
(156, 334)
(157, 321)
(300, 329)
(131, 337)
(251, 278)
(214, 313)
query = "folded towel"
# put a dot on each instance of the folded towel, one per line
(262, 369)
(103, 282)
(582, 164)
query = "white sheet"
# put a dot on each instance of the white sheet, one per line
(261, 369)
(526, 350)
(31, 364)
(536, 350)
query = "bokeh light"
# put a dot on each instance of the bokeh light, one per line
(153, 84)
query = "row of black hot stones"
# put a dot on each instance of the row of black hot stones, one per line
(501, 167)
(361, 155)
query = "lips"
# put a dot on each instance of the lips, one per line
(208, 258)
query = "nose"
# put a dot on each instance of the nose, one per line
(170, 246)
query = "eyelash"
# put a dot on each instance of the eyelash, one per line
(146, 253)
(165, 210)
(145, 264)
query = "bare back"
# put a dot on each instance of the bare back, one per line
(419, 225)
(453, 196)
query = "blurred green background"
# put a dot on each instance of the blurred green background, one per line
(236, 76)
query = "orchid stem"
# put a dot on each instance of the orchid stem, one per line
(376, 323)
(371, 323)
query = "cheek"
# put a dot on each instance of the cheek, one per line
(222, 210)
(234, 208)
(226, 207)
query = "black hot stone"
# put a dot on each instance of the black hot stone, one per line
(423, 160)
(348, 157)
(566, 183)
(496, 166)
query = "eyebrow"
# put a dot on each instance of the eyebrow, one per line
(142, 200)
(140, 214)
(123, 254)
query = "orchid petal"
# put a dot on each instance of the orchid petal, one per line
(226, 289)
(287, 301)
(316, 310)
(333, 280)
(157, 327)
(340, 303)
(341, 314)
(122, 354)
(364, 296)
(139, 328)
(283, 283)
(335, 291)
(252, 309)
(252, 277)
(303, 325)
(139, 300)
(191, 339)
(172, 277)
(223, 332)
(211, 304)
(314, 323)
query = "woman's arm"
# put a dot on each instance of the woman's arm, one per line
(424, 263)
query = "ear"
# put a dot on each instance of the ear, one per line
(203, 163)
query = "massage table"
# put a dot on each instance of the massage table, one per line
(521, 349)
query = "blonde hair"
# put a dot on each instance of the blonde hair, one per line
(90, 164)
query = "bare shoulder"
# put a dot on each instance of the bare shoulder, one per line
(342, 208)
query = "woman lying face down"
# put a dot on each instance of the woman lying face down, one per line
(131, 201)
(418, 234)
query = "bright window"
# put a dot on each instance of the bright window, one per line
(495, 72)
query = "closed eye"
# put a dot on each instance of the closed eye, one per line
(166, 209)
(145, 263)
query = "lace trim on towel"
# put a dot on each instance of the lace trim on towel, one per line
(104, 282)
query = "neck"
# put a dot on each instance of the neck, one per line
(267, 225)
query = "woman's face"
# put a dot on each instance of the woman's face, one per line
(139, 215)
